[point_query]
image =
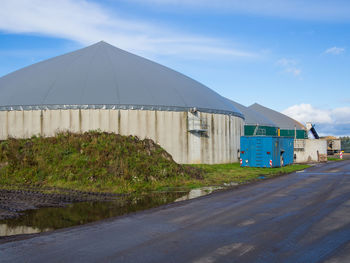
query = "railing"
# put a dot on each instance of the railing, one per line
(197, 124)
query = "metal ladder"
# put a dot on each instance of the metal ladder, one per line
(259, 152)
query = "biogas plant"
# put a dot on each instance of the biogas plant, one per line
(101, 87)
(104, 88)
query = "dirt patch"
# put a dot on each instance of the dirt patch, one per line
(14, 202)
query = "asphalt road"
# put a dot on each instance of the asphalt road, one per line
(302, 217)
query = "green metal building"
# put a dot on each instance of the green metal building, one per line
(256, 123)
(288, 126)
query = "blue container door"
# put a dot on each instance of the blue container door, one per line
(248, 152)
(276, 156)
(288, 150)
(267, 151)
(244, 153)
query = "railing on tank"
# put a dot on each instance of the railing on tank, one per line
(299, 145)
(196, 124)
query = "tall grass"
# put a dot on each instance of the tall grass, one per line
(93, 160)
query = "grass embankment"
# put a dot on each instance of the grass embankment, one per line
(97, 161)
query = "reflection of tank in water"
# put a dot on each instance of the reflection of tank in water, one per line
(333, 145)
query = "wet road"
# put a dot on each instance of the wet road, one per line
(302, 217)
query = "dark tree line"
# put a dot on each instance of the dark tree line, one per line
(345, 143)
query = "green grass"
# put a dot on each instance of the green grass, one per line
(219, 174)
(97, 161)
(336, 159)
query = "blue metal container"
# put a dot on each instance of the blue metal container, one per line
(266, 151)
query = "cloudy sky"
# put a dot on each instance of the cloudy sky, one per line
(289, 55)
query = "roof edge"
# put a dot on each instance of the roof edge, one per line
(114, 107)
(261, 125)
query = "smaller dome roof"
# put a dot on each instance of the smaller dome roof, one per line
(252, 117)
(282, 121)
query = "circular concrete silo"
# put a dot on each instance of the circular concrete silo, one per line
(104, 88)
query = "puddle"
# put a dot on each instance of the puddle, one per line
(333, 171)
(51, 218)
(194, 193)
(6, 230)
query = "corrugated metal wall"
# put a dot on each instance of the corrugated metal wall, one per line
(301, 134)
(261, 130)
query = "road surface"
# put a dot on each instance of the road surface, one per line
(302, 217)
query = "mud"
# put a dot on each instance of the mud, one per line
(14, 202)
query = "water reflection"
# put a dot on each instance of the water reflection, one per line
(46, 219)
(6, 230)
(194, 193)
(50, 218)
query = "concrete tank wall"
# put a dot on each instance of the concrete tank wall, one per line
(219, 144)
(310, 150)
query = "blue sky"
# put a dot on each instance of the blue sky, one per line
(289, 55)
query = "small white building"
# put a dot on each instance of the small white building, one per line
(310, 150)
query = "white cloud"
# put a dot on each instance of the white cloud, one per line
(335, 50)
(306, 113)
(286, 62)
(87, 22)
(294, 71)
(289, 66)
(328, 121)
(335, 10)
(341, 115)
